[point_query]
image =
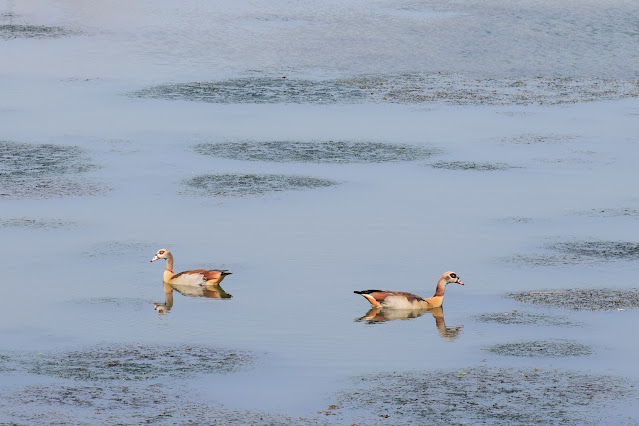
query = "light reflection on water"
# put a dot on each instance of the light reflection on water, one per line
(76, 271)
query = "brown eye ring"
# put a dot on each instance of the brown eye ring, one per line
(453, 275)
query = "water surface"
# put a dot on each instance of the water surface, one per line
(406, 139)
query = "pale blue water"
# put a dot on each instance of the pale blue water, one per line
(297, 256)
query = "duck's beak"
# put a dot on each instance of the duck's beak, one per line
(155, 258)
(459, 281)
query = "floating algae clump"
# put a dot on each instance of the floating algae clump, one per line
(487, 396)
(44, 171)
(130, 362)
(578, 299)
(581, 252)
(518, 317)
(14, 31)
(541, 349)
(470, 165)
(315, 152)
(238, 185)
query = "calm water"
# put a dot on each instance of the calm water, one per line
(502, 185)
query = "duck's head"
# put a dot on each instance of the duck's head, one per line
(161, 254)
(451, 277)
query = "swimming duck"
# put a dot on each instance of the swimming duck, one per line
(403, 300)
(194, 277)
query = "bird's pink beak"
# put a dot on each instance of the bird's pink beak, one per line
(460, 281)
(155, 258)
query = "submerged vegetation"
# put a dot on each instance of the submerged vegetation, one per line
(482, 395)
(315, 152)
(242, 185)
(44, 171)
(582, 299)
(449, 88)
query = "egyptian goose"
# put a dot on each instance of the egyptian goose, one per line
(403, 300)
(195, 277)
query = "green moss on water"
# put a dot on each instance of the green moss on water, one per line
(413, 88)
(17, 31)
(242, 185)
(581, 299)
(315, 152)
(484, 395)
(557, 348)
(32, 171)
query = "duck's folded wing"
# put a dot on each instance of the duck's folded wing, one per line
(377, 297)
(214, 274)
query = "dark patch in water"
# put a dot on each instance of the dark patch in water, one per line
(517, 219)
(578, 299)
(43, 224)
(535, 139)
(487, 396)
(131, 362)
(541, 349)
(238, 185)
(604, 250)
(470, 165)
(14, 31)
(39, 171)
(528, 318)
(315, 152)
(581, 252)
(258, 90)
(109, 403)
(615, 212)
(450, 88)
(460, 89)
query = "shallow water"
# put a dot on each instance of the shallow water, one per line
(498, 141)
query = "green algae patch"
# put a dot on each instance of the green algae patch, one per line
(581, 299)
(580, 252)
(525, 318)
(32, 171)
(484, 395)
(19, 31)
(557, 348)
(257, 90)
(116, 403)
(132, 362)
(244, 185)
(409, 88)
(315, 152)
(470, 166)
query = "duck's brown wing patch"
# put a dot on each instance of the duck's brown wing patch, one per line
(214, 274)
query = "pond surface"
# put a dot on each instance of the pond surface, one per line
(315, 149)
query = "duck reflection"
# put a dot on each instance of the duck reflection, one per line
(376, 315)
(211, 291)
